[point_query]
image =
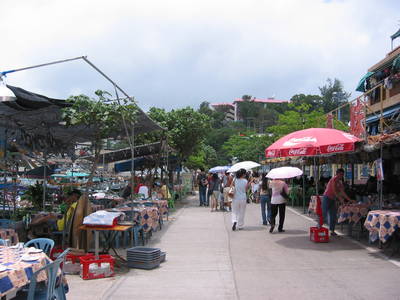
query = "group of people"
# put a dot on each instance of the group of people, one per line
(233, 190)
(146, 189)
(273, 197)
(214, 188)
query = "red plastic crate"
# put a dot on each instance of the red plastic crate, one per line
(88, 260)
(55, 252)
(319, 235)
(75, 258)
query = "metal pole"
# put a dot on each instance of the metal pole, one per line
(44, 181)
(106, 77)
(5, 172)
(381, 181)
(42, 65)
(304, 190)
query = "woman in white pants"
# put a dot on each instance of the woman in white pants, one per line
(239, 200)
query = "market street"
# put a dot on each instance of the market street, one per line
(207, 260)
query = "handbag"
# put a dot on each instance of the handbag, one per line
(284, 195)
(231, 192)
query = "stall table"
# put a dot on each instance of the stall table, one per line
(18, 272)
(382, 224)
(352, 212)
(147, 217)
(109, 239)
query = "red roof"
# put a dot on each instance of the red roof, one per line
(269, 100)
(222, 104)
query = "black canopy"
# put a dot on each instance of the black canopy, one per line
(35, 122)
(139, 151)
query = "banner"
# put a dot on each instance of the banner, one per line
(357, 118)
(379, 170)
(329, 120)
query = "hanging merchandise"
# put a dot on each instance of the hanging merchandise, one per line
(379, 169)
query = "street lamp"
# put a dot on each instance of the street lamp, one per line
(336, 97)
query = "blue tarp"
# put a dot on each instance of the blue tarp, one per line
(385, 114)
(126, 165)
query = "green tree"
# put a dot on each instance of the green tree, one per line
(102, 116)
(247, 146)
(205, 157)
(217, 118)
(315, 102)
(293, 120)
(333, 94)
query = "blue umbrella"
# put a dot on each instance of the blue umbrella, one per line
(219, 169)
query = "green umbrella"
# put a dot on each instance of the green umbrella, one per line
(360, 85)
(396, 63)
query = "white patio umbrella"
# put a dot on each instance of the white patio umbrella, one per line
(284, 172)
(218, 169)
(247, 165)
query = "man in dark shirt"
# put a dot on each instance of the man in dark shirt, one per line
(202, 183)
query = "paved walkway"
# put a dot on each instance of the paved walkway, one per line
(207, 260)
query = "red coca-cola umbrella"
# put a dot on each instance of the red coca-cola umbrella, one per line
(311, 142)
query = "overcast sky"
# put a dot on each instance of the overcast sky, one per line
(174, 53)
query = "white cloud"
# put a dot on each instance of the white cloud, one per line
(176, 53)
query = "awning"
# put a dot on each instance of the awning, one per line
(361, 83)
(39, 172)
(396, 35)
(385, 114)
(124, 154)
(34, 122)
(144, 162)
(396, 63)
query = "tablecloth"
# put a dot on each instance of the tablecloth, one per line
(9, 234)
(382, 224)
(162, 205)
(352, 212)
(19, 273)
(149, 216)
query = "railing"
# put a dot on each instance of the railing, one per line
(374, 101)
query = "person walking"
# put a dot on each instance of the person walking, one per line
(334, 192)
(202, 183)
(278, 202)
(239, 199)
(228, 181)
(265, 201)
(214, 186)
(255, 187)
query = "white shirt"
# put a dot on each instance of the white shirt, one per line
(240, 190)
(145, 191)
(277, 186)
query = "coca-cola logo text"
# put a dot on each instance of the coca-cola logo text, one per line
(300, 151)
(335, 148)
(271, 153)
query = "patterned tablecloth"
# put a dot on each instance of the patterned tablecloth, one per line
(19, 273)
(162, 205)
(9, 234)
(382, 224)
(149, 216)
(352, 212)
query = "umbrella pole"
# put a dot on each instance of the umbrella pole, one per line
(304, 190)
